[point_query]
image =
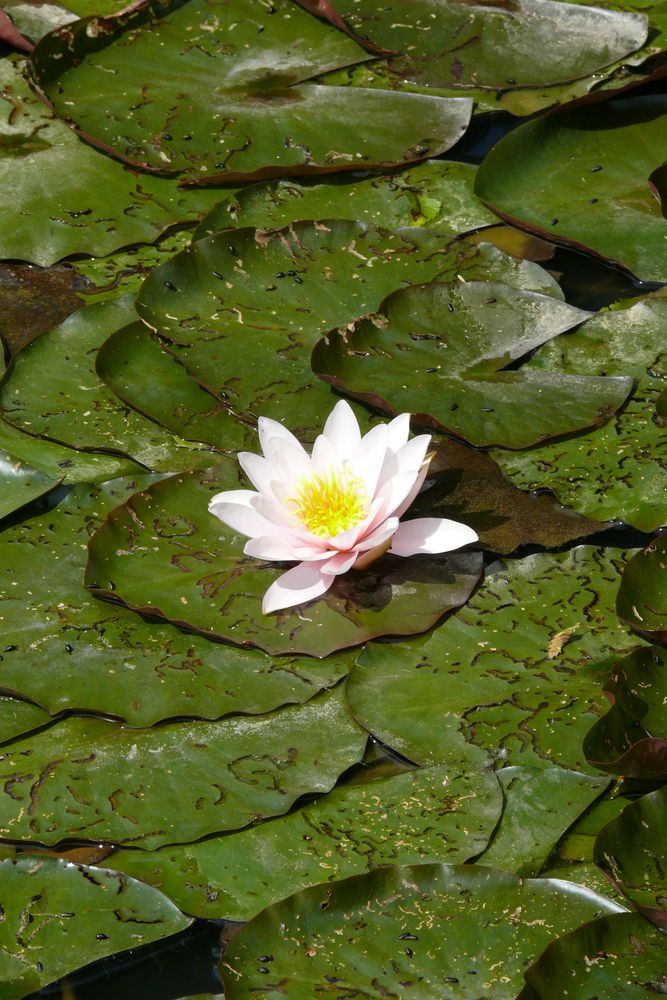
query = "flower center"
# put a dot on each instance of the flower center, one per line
(329, 504)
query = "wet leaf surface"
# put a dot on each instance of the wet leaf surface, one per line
(20, 484)
(434, 195)
(243, 310)
(237, 108)
(621, 956)
(18, 717)
(540, 805)
(549, 177)
(163, 553)
(631, 739)
(66, 650)
(481, 686)
(642, 596)
(34, 299)
(93, 205)
(381, 933)
(447, 345)
(59, 916)
(615, 471)
(93, 418)
(87, 778)
(632, 850)
(426, 815)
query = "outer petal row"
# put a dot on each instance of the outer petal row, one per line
(430, 534)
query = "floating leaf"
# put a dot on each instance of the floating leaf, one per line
(91, 417)
(481, 685)
(382, 933)
(235, 110)
(436, 195)
(495, 47)
(92, 779)
(540, 805)
(632, 849)
(642, 596)
(163, 553)
(34, 299)
(424, 815)
(616, 470)
(621, 956)
(92, 204)
(439, 351)
(547, 176)
(67, 651)
(58, 916)
(631, 739)
(20, 484)
(17, 717)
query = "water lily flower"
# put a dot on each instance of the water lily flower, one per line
(335, 509)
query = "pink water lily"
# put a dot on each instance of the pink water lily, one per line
(336, 509)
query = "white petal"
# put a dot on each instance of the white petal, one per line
(259, 471)
(393, 494)
(325, 456)
(430, 534)
(398, 430)
(283, 548)
(342, 429)
(290, 464)
(269, 429)
(367, 459)
(377, 537)
(412, 495)
(300, 584)
(233, 509)
(411, 456)
(340, 563)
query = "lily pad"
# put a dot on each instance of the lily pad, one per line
(163, 553)
(540, 805)
(18, 717)
(38, 397)
(548, 177)
(447, 345)
(466, 485)
(65, 650)
(93, 205)
(632, 850)
(438, 43)
(58, 916)
(425, 815)
(614, 471)
(642, 596)
(631, 739)
(237, 109)
(436, 195)
(20, 483)
(482, 685)
(381, 934)
(92, 779)
(243, 309)
(621, 956)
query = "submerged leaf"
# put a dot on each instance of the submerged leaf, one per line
(642, 596)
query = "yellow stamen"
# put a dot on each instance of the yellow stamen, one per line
(329, 504)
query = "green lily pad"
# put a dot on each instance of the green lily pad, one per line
(445, 44)
(466, 485)
(20, 483)
(93, 205)
(132, 363)
(614, 471)
(548, 177)
(35, 19)
(436, 195)
(243, 309)
(425, 815)
(540, 805)
(237, 109)
(445, 346)
(618, 956)
(65, 650)
(482, 685)
(632, 849)
(381, 934)
(18, 717)
(163, 553)
(58, 916)
(72, 406)
(642, 596)
(631, 739)
(92, 779)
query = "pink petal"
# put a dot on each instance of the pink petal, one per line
(412, 495)
(340, 563)
(269, 429)
(283, 548)
(325, 456)
(300, 584)
(377, 537)
(368, 457)
(289, 462)
(234, 509)
(398, 430)
(342, 429)
(259, 471)
(430, 534)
